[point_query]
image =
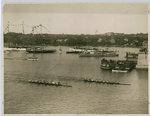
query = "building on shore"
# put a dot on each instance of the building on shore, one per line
(142, 62)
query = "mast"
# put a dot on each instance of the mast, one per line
(41, 28)
(8, 33)
(42, 47)
(8, 26)
(33, 40)
(23, 27)
(33, 30)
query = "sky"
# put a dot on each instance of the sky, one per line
(77, 18)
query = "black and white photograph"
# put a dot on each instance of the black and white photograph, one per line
(75, 58)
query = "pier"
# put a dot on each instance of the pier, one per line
(142, 62)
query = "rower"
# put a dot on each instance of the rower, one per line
(96, 80)
(100, 81)
(58, 83)
(85, 80)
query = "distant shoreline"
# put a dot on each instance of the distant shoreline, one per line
(105, 40)
(72, 46)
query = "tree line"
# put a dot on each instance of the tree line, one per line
(113, 39)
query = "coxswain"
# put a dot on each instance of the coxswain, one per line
(89, 79)
(58, 83)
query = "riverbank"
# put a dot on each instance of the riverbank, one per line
(29, 46)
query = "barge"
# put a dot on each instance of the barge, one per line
(107, 64)
(117, 65)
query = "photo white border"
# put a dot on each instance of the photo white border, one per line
(70, 1)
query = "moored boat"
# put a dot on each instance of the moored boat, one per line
(99, 53)
(75, 50)
(117, 65)
(40, 50)
(107, 64)
(131, 56)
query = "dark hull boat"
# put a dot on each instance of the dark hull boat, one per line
(123, 66)
(117, 66)
(107, 64)
(74, 52)
(41, 51)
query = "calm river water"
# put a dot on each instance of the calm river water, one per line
(81, 98)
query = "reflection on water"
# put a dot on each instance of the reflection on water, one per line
(81, 98)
